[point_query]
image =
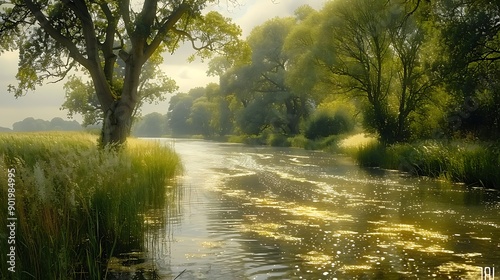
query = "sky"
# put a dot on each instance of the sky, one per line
(45, 102)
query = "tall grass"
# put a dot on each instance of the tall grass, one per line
(470, 163)
(77, 205)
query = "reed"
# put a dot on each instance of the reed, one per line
(77, 205)
(471, 163)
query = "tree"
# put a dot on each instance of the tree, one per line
(153, 85)
(55, 37)
(263, 81)
(470, 64)
(151, 125)
(374, 53)
(178, 113)
(201, 117)
(31, 124)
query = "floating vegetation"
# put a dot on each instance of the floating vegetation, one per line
(195, 256)
(466, 271)
(436, 249)
(400, 228)
(314, 213)
(269, 230)
(481, 238)
(355, 267)
(316, 258)
(339, 233)
(468, 255)
(266, 202)
(212, 244)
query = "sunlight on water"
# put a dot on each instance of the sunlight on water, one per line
(400, 228)
(269, 230)
(316, 258)
(265, 213)
(467, 271)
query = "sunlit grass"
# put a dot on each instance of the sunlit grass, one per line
(473, 164)
(78, 205)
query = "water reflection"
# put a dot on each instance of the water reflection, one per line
(266, 213)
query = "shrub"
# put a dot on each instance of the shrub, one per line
(323, 124)
(278, 140)
(298, 141)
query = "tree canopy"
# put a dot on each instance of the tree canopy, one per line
(55, 37)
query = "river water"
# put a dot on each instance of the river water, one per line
(241, 212)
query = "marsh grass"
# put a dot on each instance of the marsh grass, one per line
(475, 164)
(77, 205)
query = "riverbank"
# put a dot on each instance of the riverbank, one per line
(461, 161)
(472, 163)
(73, 205)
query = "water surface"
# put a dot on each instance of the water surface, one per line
(245, 212)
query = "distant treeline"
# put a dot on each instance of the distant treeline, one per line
(151, 125)
(32, 124)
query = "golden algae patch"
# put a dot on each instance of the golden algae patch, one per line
(212, 244)
(316, 258)
(339, 233)
(436, 249)
(269, 230)
(195, 256)
(355, 267)
(400, 228)
(314, 213)
(467, 271)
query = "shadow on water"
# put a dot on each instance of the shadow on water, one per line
(243, 212)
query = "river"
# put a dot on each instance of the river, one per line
(242, 212)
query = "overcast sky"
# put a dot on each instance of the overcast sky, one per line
(46, 101)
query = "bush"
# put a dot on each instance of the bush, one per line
(324, 124)
(298, 141)
(278, 140)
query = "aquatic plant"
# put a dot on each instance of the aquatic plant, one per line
(77, 205)
(470, 163)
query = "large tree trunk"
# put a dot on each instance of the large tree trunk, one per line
(117, 124)
(118, 117)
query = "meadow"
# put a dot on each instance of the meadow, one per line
(76, 205)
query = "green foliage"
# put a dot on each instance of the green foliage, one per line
(470, 65)
(202, 111)
(31, 124)
(201, 117)
(178, 113)
(298, 141)
(117, 44)
(323, 124)
(471, 163)
(151, 125)
(371, 51)
(278, 140)
(266, 100)
(76, 205)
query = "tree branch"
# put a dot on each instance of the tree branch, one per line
(167, 25)
(56, 35)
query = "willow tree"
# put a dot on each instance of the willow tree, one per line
(373, 51)
(54, 37)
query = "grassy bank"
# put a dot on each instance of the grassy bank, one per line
(75, 205)
(471, 163)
